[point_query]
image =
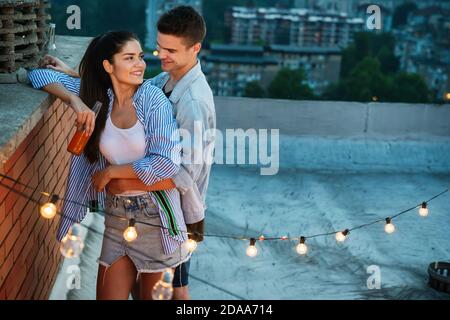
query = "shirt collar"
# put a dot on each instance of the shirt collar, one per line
(184, 83)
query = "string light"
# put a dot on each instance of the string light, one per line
(49, 210)
(342, 235)
(389, 226)
(302, 248)
(130, 233)
(190, 245)
(423, 211)
(93, 230)
(72, 244)
(163, 289)
(252, 251)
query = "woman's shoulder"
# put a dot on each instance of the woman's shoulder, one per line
(148, 87)
(150, 95)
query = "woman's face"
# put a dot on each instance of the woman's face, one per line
(128, 65)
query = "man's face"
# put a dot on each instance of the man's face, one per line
(175, 53)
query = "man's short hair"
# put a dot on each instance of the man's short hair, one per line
(183, 22)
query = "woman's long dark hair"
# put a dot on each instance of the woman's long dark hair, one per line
(95, 81)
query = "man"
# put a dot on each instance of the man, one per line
(180, 34)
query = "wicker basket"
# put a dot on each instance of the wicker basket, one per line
(23, 33)
(439, 276)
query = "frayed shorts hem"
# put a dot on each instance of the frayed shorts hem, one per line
(107, 265)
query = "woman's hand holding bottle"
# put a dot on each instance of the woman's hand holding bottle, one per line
(85, 122)
(85, 115)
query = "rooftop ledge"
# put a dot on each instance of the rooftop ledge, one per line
(21, 106)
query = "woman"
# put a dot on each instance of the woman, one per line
(135, 133)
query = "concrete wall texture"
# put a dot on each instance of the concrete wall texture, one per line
(334, 118)
(343, 136)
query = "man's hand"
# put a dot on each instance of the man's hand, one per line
(118, 186)
(101, 179)
(54, 63)
(196, 230)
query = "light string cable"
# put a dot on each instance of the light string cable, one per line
(28, 197)
(248, 238)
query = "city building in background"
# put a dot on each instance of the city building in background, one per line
(321, 65)
(422, 46)
(311, 35)
(295, 27)
(155, 8)
(229, 68)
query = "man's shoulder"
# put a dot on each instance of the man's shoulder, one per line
(199, 90)
(159, 80)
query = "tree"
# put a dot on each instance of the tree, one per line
(369, 71)
(366, 81)
(253, 90)
(367, 44)
(388, 61)
(288, 84)
(400, 17)
(407, 87)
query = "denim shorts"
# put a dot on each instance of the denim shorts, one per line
(146, 251)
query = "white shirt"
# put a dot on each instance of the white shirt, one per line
(123, 146)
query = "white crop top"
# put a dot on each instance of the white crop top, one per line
(123, 146)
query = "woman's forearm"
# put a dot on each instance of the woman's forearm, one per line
(59, 91)
(117, 186)
(121, 172)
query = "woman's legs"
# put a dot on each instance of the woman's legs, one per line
(148, 280)
(116, 281)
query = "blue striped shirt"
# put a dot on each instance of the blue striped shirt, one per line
(161, 161)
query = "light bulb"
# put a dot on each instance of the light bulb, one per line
(155, 53)
(191, 245)
(342, 235)
(389, 227)
(251, 250)
(163, 289)
(302, 248)
(423, 211)
(72, 244)
(130, 233)
(49, 210)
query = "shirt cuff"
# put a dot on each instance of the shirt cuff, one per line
(142, 169)
(40, 78)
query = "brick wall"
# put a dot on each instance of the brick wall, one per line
(29, 252)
